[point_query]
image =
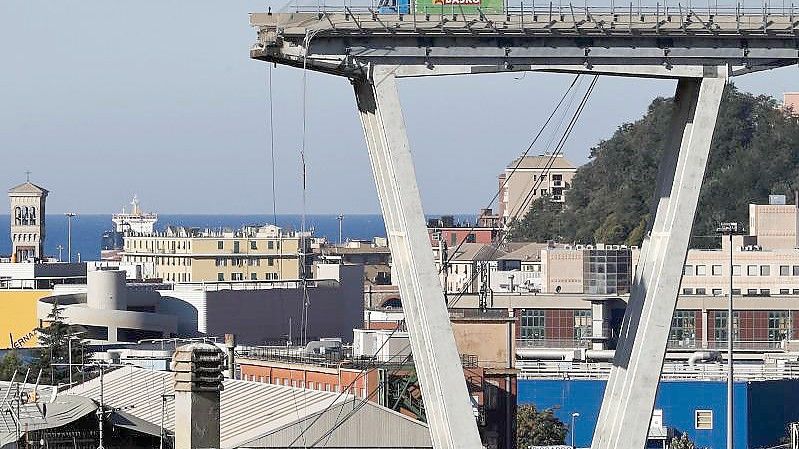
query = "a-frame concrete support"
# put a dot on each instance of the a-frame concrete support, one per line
(438, 365)
(630, 392)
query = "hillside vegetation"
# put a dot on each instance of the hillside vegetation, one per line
(754, 153)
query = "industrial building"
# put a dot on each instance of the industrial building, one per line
(261, 415)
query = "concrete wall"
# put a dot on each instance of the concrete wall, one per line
(562, 268)
(774, 225)
(257, 316)
(493, 341)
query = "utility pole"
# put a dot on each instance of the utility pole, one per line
(730, 229)
(69, 216)
(483, 285)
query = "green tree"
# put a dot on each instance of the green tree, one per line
(11, 363)
(54, 341)
(681, 442)
(754, 153)
(538, 428)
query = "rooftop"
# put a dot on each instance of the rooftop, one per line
(542, 161)
(250, 411)
(27, 188)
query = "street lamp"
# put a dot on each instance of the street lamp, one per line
(69, 216)
(575, 415)
(730, 229)
(340, 222)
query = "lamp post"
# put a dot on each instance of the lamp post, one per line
(730, 229)
(59, 248)
(69, 216)
(575, 415)
(340, 222)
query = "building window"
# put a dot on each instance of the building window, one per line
(736, 270)
(765, 270)
(683, 328)
(751, 270)
(270, 261)
(270, 244)
(716, 292)
(688, 270)
(582, 324)
(220, 276)
(220, 244)
(779, 326)
(715, 270)
(253, 245)
(687, 291)
(785, 270)
(253, 276)
(736, 291)
(533, 324)
(751, 292)
(701, 270)
(701, 291)
(785, 291)
(703, 420)
(765, 292)
(796, 291)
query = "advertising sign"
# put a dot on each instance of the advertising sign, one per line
(459, 6)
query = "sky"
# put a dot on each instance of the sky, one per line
(101, 100)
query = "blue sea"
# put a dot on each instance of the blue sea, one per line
(88, 229)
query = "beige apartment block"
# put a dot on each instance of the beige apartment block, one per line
(189, 255)
(535, 176)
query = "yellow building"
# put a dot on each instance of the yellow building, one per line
(191, 255)
(18, 319)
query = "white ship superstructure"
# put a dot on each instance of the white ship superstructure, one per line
(136, 221)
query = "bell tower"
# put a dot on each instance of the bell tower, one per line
(27, 221)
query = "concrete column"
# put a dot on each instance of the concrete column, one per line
(630, 393)
(449, 411)
(198, 381)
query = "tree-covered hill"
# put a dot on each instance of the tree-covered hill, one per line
(754, 153)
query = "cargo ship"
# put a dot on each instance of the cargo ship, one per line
(136, 222)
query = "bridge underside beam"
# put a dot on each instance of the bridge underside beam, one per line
(630, 392)
(438, 366)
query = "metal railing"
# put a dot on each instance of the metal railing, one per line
(671, 371)
(722, 345)
(552, 343)
(667, 11)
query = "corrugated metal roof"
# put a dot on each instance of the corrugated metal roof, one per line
(249, 410)
(44, 413)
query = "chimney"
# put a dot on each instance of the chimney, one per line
(198, 382)
(230, 344)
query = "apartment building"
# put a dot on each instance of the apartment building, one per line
(535, 177)
(252, 253)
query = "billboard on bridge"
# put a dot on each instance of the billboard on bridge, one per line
(459, 6)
